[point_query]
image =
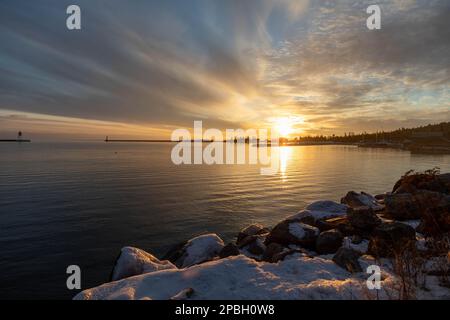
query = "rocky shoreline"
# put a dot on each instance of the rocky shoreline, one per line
(322, 252)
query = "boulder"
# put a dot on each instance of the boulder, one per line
(282, 255)
(333, 223)
(229, 250)
(430, 199)
(363, 218)
(423, 181)
(133, 261)
(407, 206)
(329, 241)
(401, 206)
(444, 179)
(320, 210)
(327, 208)
(347, 259)
(405, 188)
(293, 232)
(354, 199)
(197, 250)
(435, 220)
(253, 245)
(391, 238)
(251, 230)
(272, 250)
(175, 252)
(347, 229)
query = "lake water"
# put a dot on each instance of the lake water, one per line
(79, 203)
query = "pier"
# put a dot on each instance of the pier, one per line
(19, 138)
(15, 140)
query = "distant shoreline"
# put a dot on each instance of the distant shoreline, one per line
(148, 141)
(208, 141)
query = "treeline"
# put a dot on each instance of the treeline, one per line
(398, 135)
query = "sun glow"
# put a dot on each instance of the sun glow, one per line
(285, 125)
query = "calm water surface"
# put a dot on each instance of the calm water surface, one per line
(79, 203)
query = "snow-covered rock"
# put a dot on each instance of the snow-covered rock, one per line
(354, 199)
(254, 246)
(251, 230)
(360, 247)
(133, 261)
(320, 210)
(200, 249)
(348, 259)
(293, 232)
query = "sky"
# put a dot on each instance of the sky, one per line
(140, 69)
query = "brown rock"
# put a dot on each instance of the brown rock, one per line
(329, 224)
(363, 218)
(435, 220)
(253, 244)
(272, 250)
(348, 259)
(423, 181)
(256, 247)
(229, 250)
(251, 230)
(329, 241)
(391, 238)
(407, 206)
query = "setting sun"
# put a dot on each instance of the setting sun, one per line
(286, 125)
